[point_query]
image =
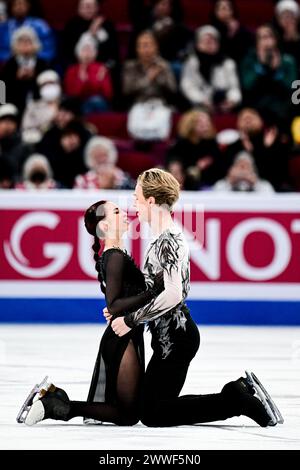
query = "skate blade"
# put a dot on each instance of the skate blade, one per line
(273, 405)
(264, 397)
(88, 421)
(38, 391)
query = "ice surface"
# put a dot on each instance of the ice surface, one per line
(67, 353)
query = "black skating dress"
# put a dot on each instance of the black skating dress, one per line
(125, 290)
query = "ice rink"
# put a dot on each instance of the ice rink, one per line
(67, 353)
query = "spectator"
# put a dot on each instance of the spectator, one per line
(235, 38)
(89, 18)
(69, 111)
(267, 75)
(40, 114)
(175, 167)
(287, 23)
(89, 80)
(149, 76)
(188, 178)
(163, 17)
(67, 162)
(6, 175)
(209, 78)
(243, 177)
(20, 16)
(21, 71)
(196, 149)
(3, 12)
(12, 151)
(268, 146)
(37, 174)
(101, 159)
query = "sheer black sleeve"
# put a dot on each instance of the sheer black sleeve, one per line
(114, 285)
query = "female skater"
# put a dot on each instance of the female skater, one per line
(114, 391)
(175, 336)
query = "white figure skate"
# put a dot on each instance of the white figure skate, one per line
(36, 393)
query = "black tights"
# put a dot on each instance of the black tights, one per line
(125, 413)
(162, 406)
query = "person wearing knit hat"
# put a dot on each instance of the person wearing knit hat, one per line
(287, 21)
(9, 111)
(207, 29)
(39, 114)
(287, 5)
(209, 78)
(48, 76)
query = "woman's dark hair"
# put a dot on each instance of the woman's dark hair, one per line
(35, 8)
(176, 9)
(93, 215)
(271, 27)
(233, 6)
(147, 32)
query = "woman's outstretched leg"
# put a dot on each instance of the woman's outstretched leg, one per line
(55, 405)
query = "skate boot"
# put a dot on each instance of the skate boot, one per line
(242, 397)
(37, 392)
(264, 396)
(239, 386)
(50, 402)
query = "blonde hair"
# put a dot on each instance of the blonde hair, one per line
(161, 185)
(186, 126)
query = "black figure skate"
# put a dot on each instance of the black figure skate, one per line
(265, 398)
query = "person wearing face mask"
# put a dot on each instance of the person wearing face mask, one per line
(37, 174)
(40, 114)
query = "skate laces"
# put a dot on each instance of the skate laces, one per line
(47, 387)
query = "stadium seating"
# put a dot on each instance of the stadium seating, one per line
(252, 12)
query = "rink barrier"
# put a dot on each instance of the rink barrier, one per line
(245, 252)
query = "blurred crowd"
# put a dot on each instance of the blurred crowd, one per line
(55, 81)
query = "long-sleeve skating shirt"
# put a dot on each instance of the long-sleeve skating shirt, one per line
(169, 252)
